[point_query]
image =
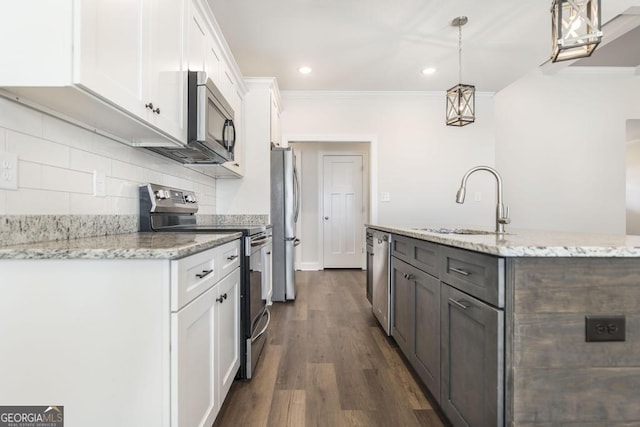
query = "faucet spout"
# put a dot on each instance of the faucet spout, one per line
(501, 217)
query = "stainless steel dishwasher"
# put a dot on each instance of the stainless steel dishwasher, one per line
(381, 279)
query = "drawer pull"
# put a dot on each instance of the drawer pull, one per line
(459, 271)
(458, 303)
(232, 257)
(204, 273)
(407, 276)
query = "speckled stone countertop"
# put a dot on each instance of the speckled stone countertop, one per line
(120, 246)
(530, 243)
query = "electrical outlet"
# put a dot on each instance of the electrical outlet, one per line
(99, 184)
(605, 328)
(9, 171)
(385, 197)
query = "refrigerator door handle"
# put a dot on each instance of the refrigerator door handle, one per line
(296, 194)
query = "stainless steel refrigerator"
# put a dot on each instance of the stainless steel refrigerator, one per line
(285, 208)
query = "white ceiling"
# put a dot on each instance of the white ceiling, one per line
(383, 45)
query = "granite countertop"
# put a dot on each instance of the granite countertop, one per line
(529, 243)
(121, 246)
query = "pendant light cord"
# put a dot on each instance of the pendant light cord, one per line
(460, 53)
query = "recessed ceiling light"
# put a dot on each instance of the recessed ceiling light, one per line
(304, 70)
(428, 71)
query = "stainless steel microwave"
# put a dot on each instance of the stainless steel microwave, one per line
(210, 118)
(211, 134)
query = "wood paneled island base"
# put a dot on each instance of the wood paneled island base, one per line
(553, 376)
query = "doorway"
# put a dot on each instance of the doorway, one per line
(633, 177)
(310, 153)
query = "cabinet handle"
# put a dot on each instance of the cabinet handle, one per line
(225, 295)
(220, 299)
(232, 257)
(408, 276)
(150, 107)
(204, 273)
(457, 270)
(458, 303)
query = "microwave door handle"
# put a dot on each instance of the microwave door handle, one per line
(228, 142)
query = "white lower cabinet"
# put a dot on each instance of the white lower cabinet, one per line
(205, 353)
(96, 335)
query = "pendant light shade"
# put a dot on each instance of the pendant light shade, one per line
(461, 99)
(461, 105)
(576, 28)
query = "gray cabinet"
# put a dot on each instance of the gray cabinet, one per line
(416, 316)
(449, 323)
(472, 356)
(402, 318)
(369, 265)
(427, 331)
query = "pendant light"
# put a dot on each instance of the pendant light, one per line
(576, 28)
(461, 99)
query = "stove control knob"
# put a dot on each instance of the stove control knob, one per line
(190, 198)
(162, 194)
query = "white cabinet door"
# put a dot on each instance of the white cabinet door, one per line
(198, 40)
(275, 119)
(132, 54)
(167, 78)
(110, 49)
(194, 400)
(228, 332)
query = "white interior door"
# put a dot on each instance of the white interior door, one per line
(343, 208)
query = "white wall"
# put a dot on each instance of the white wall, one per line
(420, 160)
(56, 161)
(560, 146)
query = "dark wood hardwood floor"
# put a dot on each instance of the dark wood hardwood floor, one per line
(327, 362)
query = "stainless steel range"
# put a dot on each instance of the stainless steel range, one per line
(168, 209)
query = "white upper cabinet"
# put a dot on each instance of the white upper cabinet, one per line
(274, 114)
(110, 53)
(132, 54)
(119, 66)
(167, 71)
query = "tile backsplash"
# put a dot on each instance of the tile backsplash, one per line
(57, 161)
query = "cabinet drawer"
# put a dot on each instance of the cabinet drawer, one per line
(193, 275)
(474, 273)
(228, 259)
(418, 253)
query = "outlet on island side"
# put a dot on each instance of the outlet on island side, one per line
(605, 328)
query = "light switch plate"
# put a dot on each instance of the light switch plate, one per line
(9, 171)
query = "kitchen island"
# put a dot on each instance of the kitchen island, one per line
(127, 330)
(527, 328)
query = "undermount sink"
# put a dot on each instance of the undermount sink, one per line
(469, 231)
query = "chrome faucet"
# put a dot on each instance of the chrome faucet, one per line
(502, 218)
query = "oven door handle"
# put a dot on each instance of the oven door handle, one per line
(260, 240)
(264, 329)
